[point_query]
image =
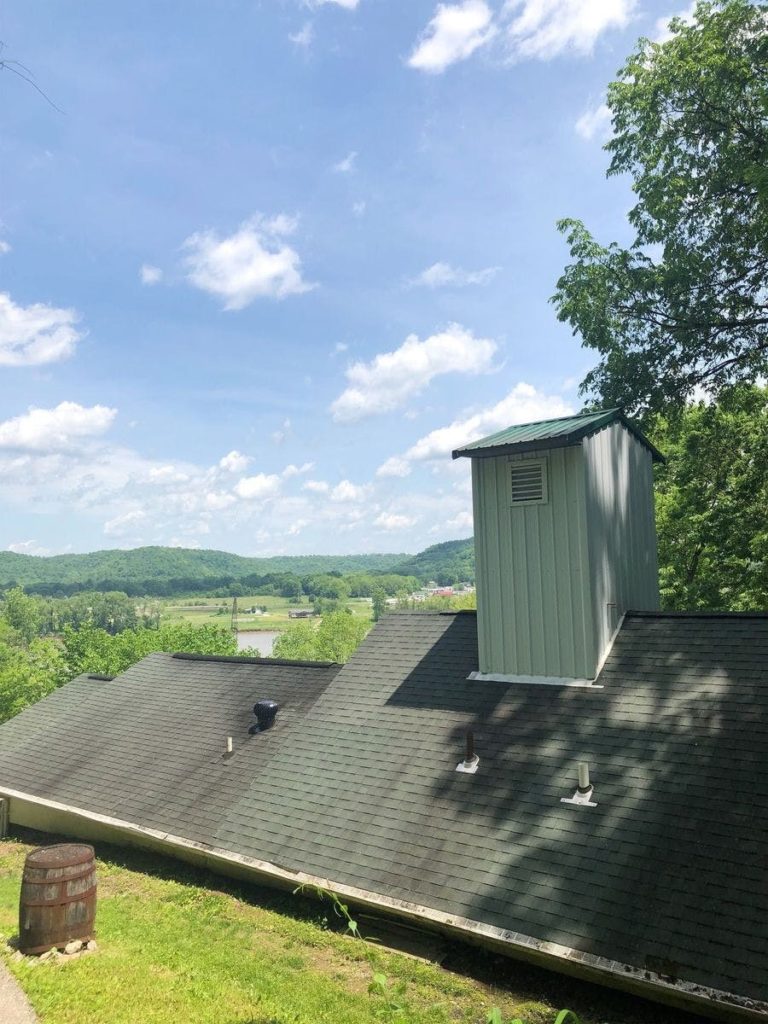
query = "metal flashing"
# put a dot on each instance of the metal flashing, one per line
(501, 677)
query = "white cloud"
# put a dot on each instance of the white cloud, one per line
(523, 404)
(4, 248)
(462, 521)
(28, 547)
(390, 521)
(254, 262)
(150, 274)
(396, 465)
(125, 523)
(595, 123)
(167, 474)
(346, 491)
(359, 208)
(347, 165)
(453, 34)
(663, 32)
(394, 377)
(442, 275)
(292, 470)
(278, 436)
(54, 429)
(217, 500)
(542, 29)
(349, 5)
(258, 488)
(316, 486)
(31, 335)
(235, 461)
(304, 36)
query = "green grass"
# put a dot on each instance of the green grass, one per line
(210, 611)
(181, 946)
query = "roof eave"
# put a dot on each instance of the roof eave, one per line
(625, 977)
(565, 441)
(571, 439)
(655, 453)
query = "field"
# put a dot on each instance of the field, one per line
(217, 611)
(181, 945)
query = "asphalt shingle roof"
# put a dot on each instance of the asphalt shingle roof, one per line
(149, 746)
(357, 782)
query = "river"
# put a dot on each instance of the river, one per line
(262, 639)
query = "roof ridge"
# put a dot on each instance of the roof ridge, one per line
(410, 613)
(559, 419)
(550, 419)
(237, 659)
(696, 615)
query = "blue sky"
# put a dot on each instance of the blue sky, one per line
(271, 261)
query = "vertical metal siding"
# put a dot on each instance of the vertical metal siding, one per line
(622, 528)
(533, 586)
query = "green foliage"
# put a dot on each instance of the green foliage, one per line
(448, 563)
(564, 1017)
(711, 501)
(393, 584)
(336, 638)
(685, 305)
(326, 585)
(379, 596)
(113, 611)
(159, 571)
(391, 995)
(22, 614)
(29, 673)
(32, 667)
(436, 603)
(90, 649)
(121, 576)
(339, 908)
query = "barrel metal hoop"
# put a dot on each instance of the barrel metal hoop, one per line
(60, 901)
(57, 881)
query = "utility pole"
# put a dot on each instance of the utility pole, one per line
(234, 615)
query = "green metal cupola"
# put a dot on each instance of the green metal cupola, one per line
(565, 542)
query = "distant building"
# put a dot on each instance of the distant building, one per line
(301, 613)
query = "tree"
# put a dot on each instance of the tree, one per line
(27, 674)
(379, 602)
(336, 639)
(686, 305)
(326, 585)
(90, 649)
(711, 501)
(22, 613)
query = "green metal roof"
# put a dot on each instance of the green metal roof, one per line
(559, 433)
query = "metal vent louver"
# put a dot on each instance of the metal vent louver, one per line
(528, 482)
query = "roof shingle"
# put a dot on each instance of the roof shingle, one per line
(357, 781)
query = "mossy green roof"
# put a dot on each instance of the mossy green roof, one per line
(557, 433)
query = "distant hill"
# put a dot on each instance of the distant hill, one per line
(164, 571)
(160, 570)
(450, 562)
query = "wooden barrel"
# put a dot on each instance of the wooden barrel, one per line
(58, 897)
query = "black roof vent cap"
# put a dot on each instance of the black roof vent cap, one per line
(265, 711)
